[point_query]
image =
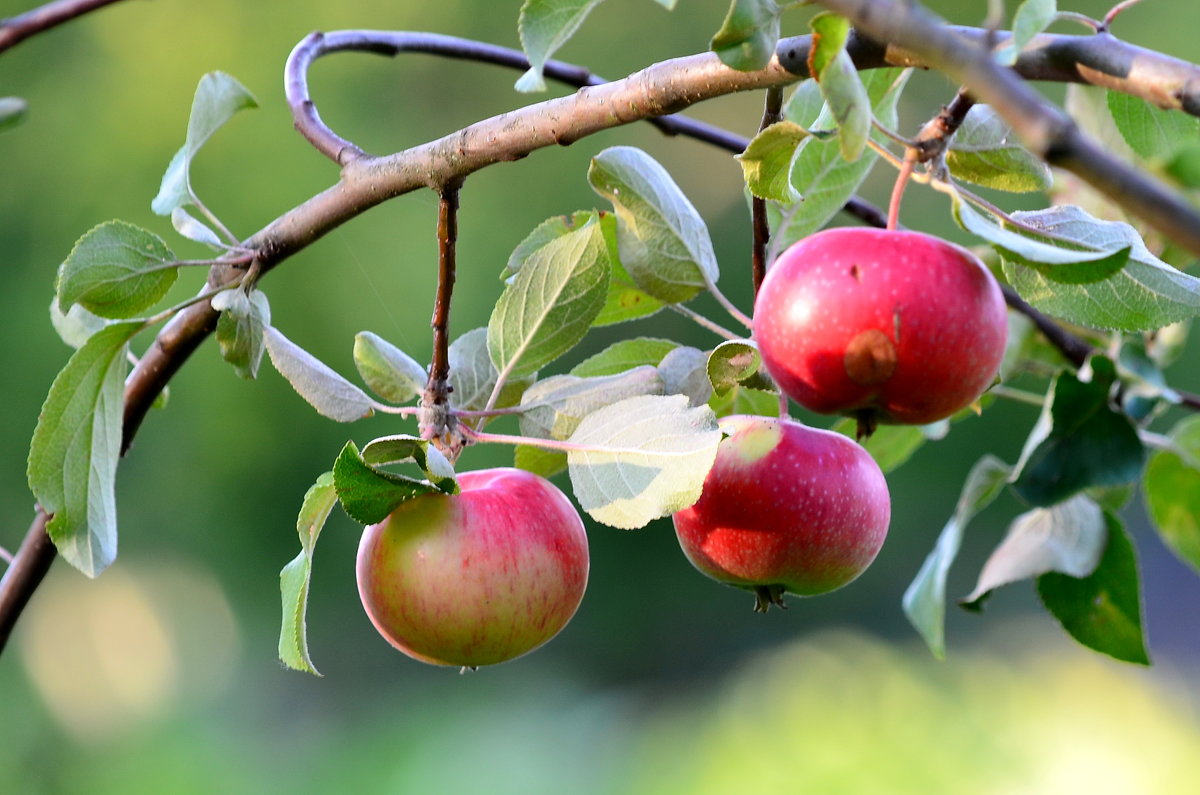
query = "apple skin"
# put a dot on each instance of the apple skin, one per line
(891, 326)
(786, 508)
(478, 577)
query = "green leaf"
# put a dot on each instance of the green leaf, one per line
(684, 371)
(820, 173)
(326, 391)
(843, 89)
(1146, 294)
(294, 579)
(735, 362)
(77, 325)
(661, 238)
(741, 400)
(1068, 537)
(747, 38)
(768, 160)
(987, 152)
(551, 303)
(539, 461)
(624, 355)
(1172, 489)
(12, 111)
(890, 445)
(925, 599)
(401, 448)
(1154, 133)
(642, 458)
(388, 371)
(218, 97)
(240, 328)
(1183, 166)
(545, 25)
(473, 376)
(624, 301)
(73, 456)
(1079, 441)
(554, 407)
(1032, 17)
(369, 494)
(1103, 610)
(116, 270)
(1091, 254)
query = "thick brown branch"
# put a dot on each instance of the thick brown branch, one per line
(22, 577)
(1042, 127)
(14, 30)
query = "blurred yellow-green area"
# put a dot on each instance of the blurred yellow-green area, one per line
(161, 675)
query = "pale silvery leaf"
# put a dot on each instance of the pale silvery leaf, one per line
(1068, 538)
(642, 458)
(662, 240)
(326, 391)
(987, 152)
(554, 407)
(473, 376)
(684, 371)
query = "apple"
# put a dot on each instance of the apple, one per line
(785, 509)
(478, 577)
(889, 326)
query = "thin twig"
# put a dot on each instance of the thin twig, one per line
(1043, 128)
(1115, 12)
(14, 30)
(761, 230)
(715, 328)
(435, 402)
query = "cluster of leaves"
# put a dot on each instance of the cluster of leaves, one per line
(635, 425)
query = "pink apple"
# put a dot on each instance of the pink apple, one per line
(786, 508)
(477, 577)
(889, 326)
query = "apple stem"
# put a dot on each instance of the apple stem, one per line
(906, 169)
(435, 418)
(714, 327)
(867, 421)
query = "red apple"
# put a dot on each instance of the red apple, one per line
(885, 325)
(477, 577)
(786, 508)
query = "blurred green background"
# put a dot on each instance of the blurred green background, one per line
(161, 676)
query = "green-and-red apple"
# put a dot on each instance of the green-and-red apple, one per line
(889, 326)
(478, 577)
(786, 509)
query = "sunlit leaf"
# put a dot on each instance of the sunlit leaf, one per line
(820, 174)
(747, 38)
(554, 407)
(1146, 294)
(987, 152)
(473, 376)
(294, 579)
(843, 89)
(76, 444)
(116, 270)
(1032, 17)
(388, 371)
(1154, 133)
(735, 362)
(662, 240)
(768, 160)
(642, 458)
(1172, 489)
(624, 355)
(544, 26)
(218, 97)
